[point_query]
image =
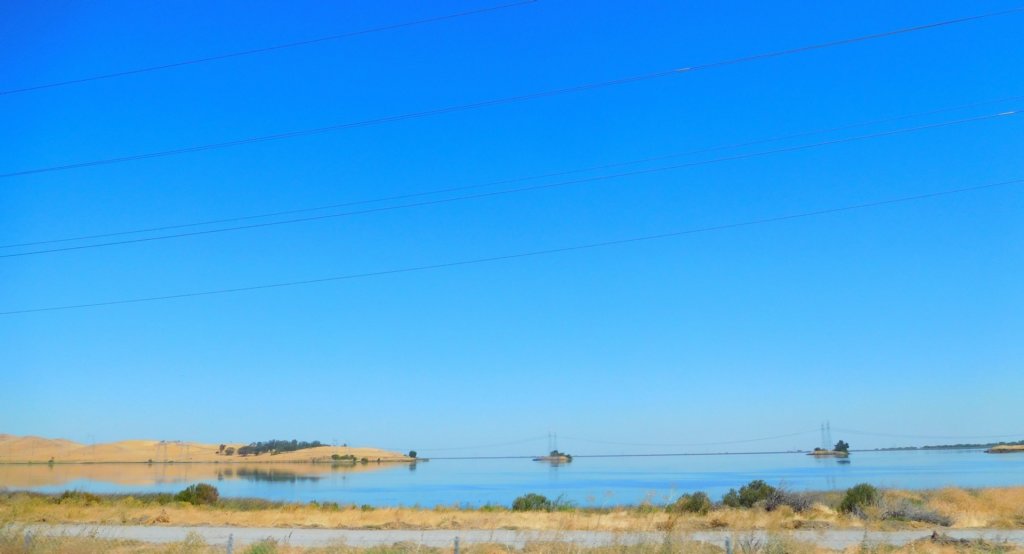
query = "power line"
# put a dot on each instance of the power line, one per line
(265, 49)
(587, 180)
(718, 443)
(493, 445)
(508, 99)
(534, 253)
(899, 436)
(518, 179)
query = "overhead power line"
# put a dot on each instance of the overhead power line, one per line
(545, 186)
(492, 445)
(240, 53)
(529, 254)
(946, 437)
(717, 443)
(507, 99)
(561, 173)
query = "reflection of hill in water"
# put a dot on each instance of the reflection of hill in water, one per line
(24, 476)
(271, 475)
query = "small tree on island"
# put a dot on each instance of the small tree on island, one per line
(412, 453)
(842, 446)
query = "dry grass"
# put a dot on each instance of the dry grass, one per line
(1006, 448)
(17, 449)
(1001, 508)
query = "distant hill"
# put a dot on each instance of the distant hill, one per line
(1006, 448)
(29, 449)
(962, 446)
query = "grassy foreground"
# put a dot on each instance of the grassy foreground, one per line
(996, 508)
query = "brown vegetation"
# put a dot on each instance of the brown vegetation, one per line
(1001, 508)
(1006, 449)
(17, 449)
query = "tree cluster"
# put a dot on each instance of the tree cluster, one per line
(276, 446)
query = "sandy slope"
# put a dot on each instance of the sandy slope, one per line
(38, 449)
(1006, 448)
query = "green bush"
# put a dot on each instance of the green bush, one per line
(198, 494)
(748, 495)
(696, 503)
(267, 546)
(531, 502)
(79, 497)
(858, 497)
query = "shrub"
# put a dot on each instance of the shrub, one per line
(229, 451)
(780, 497)
(696, 503)
(78, 496)
(266, 546)
(412, 453)
(749, 494)
(858, 497)
(842, 446)
(908, 511)
(531, 502)
(198, 494)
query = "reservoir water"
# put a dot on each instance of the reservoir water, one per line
(585, 481)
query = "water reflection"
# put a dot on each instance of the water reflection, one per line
(586, 481)
(31, 476)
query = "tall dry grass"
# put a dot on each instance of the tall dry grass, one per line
(983, 508)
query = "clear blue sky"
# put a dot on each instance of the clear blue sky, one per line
(903, 319)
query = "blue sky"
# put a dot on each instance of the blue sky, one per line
(902, 319)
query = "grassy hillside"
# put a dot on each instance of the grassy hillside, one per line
(17, 449)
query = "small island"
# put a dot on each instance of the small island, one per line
(555, 457)
(840, 450)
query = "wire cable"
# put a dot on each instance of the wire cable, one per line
(718, 443)
(508, 99)
(520, 255)
(494, 445)
(561, 173)
(587, 180)
(284, 46)
(899, 436)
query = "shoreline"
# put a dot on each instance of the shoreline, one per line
(245, 461)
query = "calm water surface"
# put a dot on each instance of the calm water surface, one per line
(585, 481)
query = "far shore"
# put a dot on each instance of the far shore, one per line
(39, 450)
(1006, 449)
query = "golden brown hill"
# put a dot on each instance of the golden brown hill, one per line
(1006, 449)
(17, 449)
